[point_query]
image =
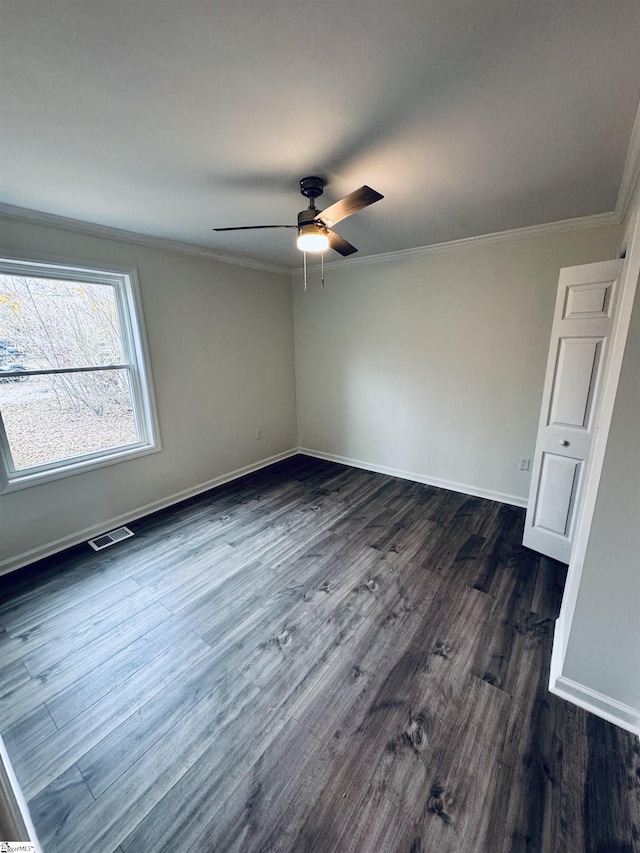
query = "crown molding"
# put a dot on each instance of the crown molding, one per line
(595, 221)
(631, 173)
(106, 232)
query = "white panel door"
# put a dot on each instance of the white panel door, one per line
(578, 353)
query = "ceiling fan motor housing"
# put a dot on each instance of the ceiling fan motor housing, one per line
(308, 217)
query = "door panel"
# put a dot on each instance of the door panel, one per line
(588, 300)
(575, 380)
(576, 366)
(559, 478)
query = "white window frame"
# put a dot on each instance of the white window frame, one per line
(136, 361)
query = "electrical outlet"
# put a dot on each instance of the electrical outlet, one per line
(258, 434)
(525, 463)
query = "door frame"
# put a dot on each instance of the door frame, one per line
(558, 683)
(15, 820)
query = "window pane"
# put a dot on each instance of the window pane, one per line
(50, 323)
(50, 418)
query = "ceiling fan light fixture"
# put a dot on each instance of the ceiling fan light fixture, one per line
(312, 239)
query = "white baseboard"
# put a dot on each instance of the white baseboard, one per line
(50, 548)
(585, 697)
(475, 491)
(603, 706)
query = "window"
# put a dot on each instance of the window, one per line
(75, 387)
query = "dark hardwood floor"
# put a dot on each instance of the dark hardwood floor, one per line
(314, 658)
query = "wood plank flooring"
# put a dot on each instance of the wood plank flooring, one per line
(313, 658)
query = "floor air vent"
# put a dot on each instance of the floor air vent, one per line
(110, 538)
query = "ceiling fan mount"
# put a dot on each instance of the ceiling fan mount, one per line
(312, 187)
(314, 226)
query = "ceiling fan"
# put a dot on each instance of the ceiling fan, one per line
(314, 226)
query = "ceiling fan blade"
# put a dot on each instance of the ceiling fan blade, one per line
(348, 205)
(340, 244)
(252, 227)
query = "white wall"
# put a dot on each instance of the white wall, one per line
(603, 650)
(434, 364)
(221, 344)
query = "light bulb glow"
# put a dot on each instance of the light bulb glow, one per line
(310, 239)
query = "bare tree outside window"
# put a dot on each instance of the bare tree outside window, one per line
(66, 327)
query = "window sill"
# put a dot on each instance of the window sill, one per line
(25, 480)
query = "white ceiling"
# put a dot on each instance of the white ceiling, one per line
(169, 117)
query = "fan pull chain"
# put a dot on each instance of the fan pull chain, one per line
(304, 262)
(322, 268)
